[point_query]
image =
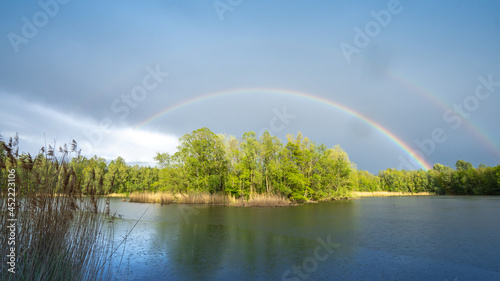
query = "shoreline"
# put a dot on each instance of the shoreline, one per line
(360, 194)
(262, 201)
(116, 195)
(216, 199)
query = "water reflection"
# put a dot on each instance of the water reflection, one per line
(377, 239)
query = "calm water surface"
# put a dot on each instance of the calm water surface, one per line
(398, 238)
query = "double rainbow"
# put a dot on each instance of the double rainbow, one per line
(388, 134)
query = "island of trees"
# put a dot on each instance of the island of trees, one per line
(210, 163)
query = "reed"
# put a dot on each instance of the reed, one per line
(388, 193)
(116, 195)
(206, 198)
(60, 234)
(188, 198)
(151, 197)
(256, 200)
(265, 200)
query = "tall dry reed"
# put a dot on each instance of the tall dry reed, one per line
(265, 200)
(188, 198)
(116, 195)
(388, 193)
(256, 200)
(60, 235)
(151, 197)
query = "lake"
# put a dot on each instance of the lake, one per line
(391, 238)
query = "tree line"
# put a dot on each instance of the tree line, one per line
(299, 169)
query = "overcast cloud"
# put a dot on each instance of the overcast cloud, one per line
(94, 72)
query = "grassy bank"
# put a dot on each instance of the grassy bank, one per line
(256, 200)
(388, 193)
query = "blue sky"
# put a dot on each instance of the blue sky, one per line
(63, 81)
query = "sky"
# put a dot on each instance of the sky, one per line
(397, 84)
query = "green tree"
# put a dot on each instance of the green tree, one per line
(270, 152)
(462, 165)
(251, 152)
(204, 159)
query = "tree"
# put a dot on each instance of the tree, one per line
(367, 181)
(117, 177)
(342, 168)
(203, 155)
(163, 160)
(462, 165)
(295, 166)
(270, 151)
(251, 152)
(233, 158)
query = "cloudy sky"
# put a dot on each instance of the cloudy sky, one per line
(379, 78)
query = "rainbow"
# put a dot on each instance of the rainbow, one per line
(402, 78)
(392, 137)
(472, 127)
(394, 75)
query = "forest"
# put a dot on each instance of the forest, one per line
(205, 162)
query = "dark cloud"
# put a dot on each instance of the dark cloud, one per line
(75, 76)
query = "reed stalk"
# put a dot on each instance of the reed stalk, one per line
(59, 234)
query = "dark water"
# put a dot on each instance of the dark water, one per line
(399, 238)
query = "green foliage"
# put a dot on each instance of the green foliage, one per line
(242, 167)
(299, 169)
(367, 181)
(462, 165)
(465, 180)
